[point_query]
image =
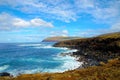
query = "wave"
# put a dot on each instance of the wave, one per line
(43, 46)
(32, 60)
(49, 46)
(65, 62)
(69, 63)
(24, 45)
(71, 51)
(2, 68)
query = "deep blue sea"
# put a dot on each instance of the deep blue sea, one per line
(22, 58)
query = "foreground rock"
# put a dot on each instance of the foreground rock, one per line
(5, 74)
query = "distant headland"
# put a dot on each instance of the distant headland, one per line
(59, 38)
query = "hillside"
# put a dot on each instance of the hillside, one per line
(58, 39)
(100, 48)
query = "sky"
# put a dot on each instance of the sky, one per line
(34, 20)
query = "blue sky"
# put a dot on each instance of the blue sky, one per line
(34, 20)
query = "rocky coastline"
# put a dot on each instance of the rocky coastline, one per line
(86, 62)
(94, 50)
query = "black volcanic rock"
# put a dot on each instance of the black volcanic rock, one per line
(5, 74)
(100, 48)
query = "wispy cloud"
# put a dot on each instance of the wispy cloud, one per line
(59, 33)
(102, 11)
(116, 26)
(67, 10)
(56, 9)
(8, 22)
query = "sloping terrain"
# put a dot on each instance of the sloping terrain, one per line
(100, 48)
(58, 39)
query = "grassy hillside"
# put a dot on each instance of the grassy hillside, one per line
(109, 71)
(58, 39)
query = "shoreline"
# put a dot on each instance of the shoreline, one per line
(85, 62)
(95, 49)
(68, 53)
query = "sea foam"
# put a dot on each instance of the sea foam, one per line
(2, 68)
(69, 63)
(39, 56)
(29, 45)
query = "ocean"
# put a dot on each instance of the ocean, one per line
(27, 58)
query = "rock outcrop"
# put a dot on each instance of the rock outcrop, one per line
(100, 48)
(5, 74)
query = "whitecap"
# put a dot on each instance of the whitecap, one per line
(29, 45)
(51, 47)
(68, 63)
(71, 51)
(2, 68)
(32, 60)
(43, 47)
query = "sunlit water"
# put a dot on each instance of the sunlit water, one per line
(34, 57)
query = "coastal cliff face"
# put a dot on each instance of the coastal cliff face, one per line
(100, 48)
(58, 39)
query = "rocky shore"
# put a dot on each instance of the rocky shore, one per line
(94, 50)
(86, 62)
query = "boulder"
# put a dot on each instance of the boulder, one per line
(5, 74)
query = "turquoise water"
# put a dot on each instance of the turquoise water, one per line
(17, 58)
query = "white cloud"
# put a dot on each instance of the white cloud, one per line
(40, 22)
(101, 11)
(20, 22)
(67, 10)
(55, 9)
(116, 26)
(59, 33)
(8, 22)
(84, 4)
(65, 31)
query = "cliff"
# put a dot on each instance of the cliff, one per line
(99, 48)
(59, 38)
